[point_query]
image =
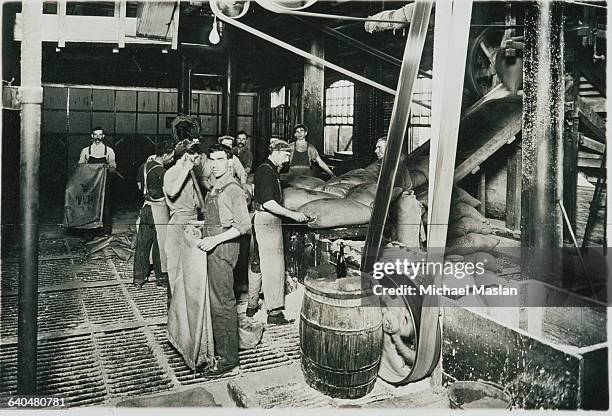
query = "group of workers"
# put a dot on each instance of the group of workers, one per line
(172, 183)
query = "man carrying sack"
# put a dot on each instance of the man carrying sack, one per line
(99, 153)
(182, 198)
(268, 233)
(226, 218)
(87, 197)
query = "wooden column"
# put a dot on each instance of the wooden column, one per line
(313, 96)
(184, 89)
(542, 148)
(31, 97)
(513, 188)
(229, 91)
(571, 139)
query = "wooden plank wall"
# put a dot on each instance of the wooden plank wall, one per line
(134, 119)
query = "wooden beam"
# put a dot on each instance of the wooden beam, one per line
(591, 144)
(488, 149)
(85, 29)
(591, 119)
(513, 189)
(313, 103)
(120, 15)
(61, 22)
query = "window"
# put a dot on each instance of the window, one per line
(419, 127)
(278, 107)
(339, 110)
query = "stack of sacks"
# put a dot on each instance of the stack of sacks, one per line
(340, 202)
(468, 230)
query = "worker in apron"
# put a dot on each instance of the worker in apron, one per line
(154, 217)
(268, 233)
(226, 218)
(99, 152)
(303, 154)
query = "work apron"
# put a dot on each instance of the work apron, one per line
(300, 163)
(221, 261)
(269, 235)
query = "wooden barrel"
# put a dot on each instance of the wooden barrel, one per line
(340, 339)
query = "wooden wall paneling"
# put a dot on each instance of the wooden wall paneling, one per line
(244, 123)
(125, 123)
(147, 101)
(54, 121)
(147, 123)
(76, 143)
(167, 102)
(80, 98)
(164, 127)
(104, 119)
(125, 100)
(209, 103)
(103, 100)
(210, 124)
(79, 121)
(55, 98)
(194, 103)
(245, 106)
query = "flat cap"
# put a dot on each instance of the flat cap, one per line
(280, 146)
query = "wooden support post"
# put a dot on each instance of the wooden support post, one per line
(313, 95)
(61, 22)
(31, 97)
(513, 189)
(571, 140)
(120, 15)
(229, 90)
(542, 156)
(184, 89)
(482, 193)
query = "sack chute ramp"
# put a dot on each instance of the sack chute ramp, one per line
(451, 33)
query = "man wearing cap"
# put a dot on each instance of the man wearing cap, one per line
(381, 147)
(303, 154)
(268, 233)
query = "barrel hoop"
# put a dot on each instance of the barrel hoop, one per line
(357, 294)
(341, 303)
(339, 330)
(340, 371)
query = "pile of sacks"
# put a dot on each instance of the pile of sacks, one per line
(346, 200)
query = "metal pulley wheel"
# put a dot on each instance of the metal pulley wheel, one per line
(482, 50)
(232, 8)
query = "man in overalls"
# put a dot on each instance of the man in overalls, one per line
(226, 218)
(99, 152)
(154, 217)
(182, 200)
(303, 154)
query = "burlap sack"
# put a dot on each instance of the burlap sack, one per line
(342, 212)
(460, 195)
(366, 193)
(463, 210)
(294, 198)
(338, 189)
(471, 243)
(487, 259)
(465, 225)
(301, 181)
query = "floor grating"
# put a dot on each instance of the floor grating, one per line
(85, 354)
